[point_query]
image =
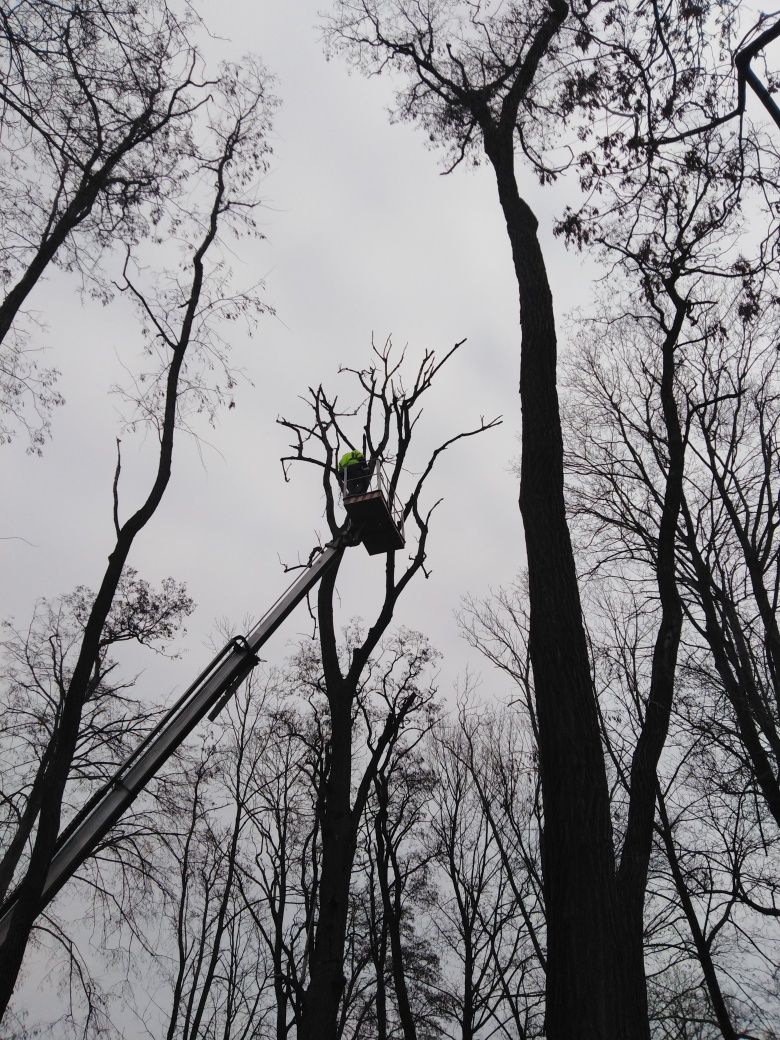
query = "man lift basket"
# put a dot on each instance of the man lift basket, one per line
(370, 507)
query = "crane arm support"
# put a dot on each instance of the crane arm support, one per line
(209, 693)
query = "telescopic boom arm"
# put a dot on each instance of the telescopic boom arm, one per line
(208, 694)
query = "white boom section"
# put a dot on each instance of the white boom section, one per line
(209, 693)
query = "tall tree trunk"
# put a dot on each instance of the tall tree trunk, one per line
(339, 838)
(66, 737)
(637, 846)
(281, 991)
(391, 906)
(583, 983)
(29, 892)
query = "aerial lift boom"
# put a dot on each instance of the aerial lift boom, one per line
(373, 520)
(208, 694)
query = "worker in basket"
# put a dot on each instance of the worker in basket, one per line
(354, 473)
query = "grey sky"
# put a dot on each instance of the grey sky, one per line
(363, 235)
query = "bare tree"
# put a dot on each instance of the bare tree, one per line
(710, 917)
(501, 763)
(625, 457)
(280, 862)
(483, 81)
(99, 116)
(222, 975)
(478, 918)
(387, 696)
(728, 559)
(37, 663)
(402, 859)
(669, 223)
(180, 318)
(729, 535)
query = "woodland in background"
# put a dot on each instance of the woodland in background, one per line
(343, 856)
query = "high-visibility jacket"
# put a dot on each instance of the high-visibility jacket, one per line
(351, 458)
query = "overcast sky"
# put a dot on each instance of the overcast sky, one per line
(363, 236)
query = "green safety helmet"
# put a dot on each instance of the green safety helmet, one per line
(351, 458)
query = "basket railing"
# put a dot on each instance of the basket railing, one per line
(362, 481)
